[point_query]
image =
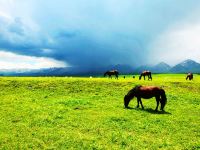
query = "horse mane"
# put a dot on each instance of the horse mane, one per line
(133, 90)
(137, 87)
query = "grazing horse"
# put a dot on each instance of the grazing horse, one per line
(146, 92)
(189, 76)
(112, 72)
(145, 73)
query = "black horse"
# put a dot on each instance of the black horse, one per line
(145, 73)
(189, 76)
(146, 92)
(112, 72)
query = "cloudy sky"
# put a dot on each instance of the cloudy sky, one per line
(58, 33)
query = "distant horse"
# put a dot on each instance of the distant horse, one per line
(145, 73)
(146, 92)
(112, 72)
(189, 76)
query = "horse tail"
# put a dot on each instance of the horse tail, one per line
(163, 98)
(149, 75)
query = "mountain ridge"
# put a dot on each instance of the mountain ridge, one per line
(186, 66)
(162, 67)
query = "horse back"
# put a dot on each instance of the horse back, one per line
(148, 92)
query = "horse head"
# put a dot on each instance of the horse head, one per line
(127, 99)
(129, 96)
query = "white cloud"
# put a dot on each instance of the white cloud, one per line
(10, 60)
(5, 16)
(177, 43)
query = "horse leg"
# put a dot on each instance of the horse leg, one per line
(138, 102)
(150, 77)
(139, 99)
(144, 77)
(157, 100)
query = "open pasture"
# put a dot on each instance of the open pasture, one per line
(88, 113)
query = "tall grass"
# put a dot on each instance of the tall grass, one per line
(88, 113)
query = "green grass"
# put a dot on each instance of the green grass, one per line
(88, 113)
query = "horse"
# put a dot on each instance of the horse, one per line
(189, 76)
(146, 92)
(112, 72)
(145, 73)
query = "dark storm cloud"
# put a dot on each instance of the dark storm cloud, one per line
(91, 33)
(66, 34)
(16, 27)
(85, 50)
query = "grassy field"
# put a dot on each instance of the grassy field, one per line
(88, 113)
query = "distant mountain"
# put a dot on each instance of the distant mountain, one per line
(186, 66)
(142, 68)
(65, 71)
(123, 68)
(183, 67)
(161, 68)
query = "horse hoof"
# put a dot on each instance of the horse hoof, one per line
(126, 107)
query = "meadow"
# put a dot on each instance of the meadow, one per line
(88, 113)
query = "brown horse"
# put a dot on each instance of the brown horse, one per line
(146, 92)
(112, 72)
(189, 76)
(145, 73)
